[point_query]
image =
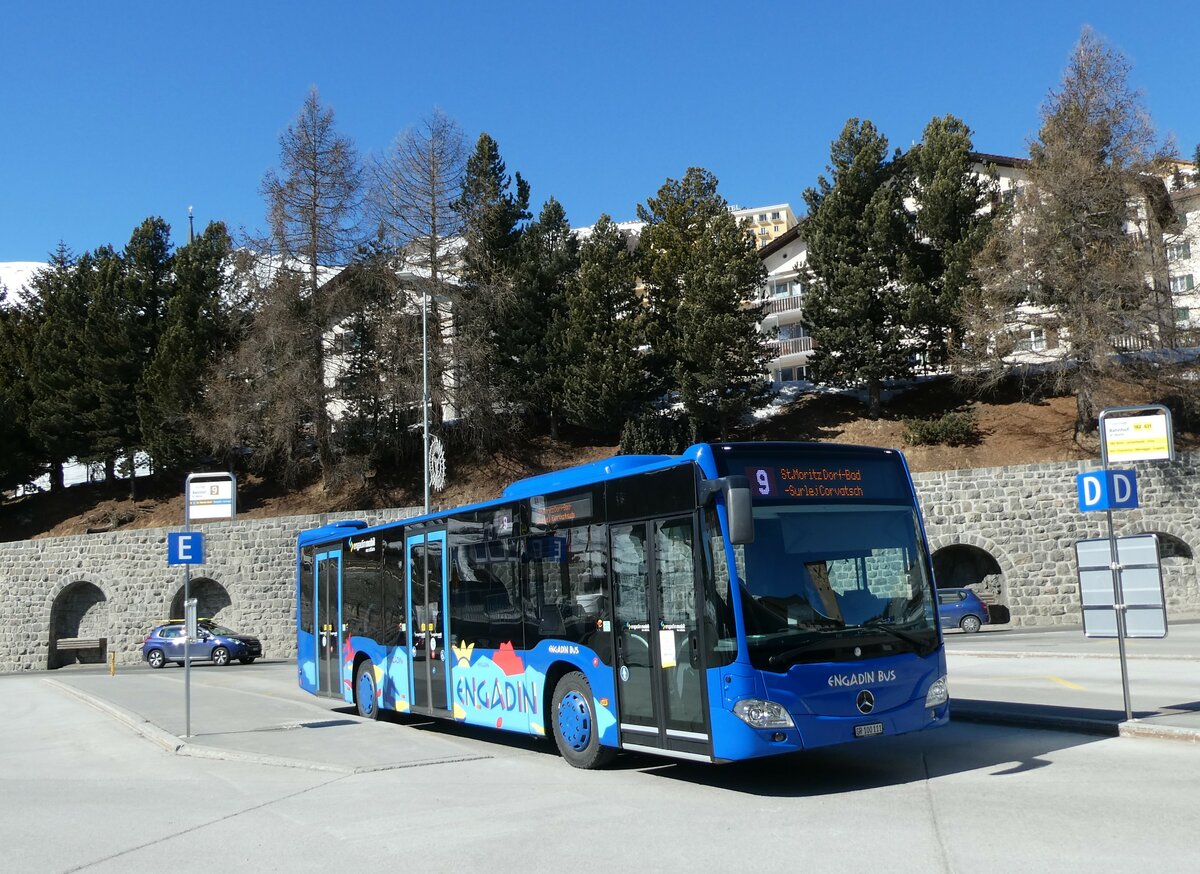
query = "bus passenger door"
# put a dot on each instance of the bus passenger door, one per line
(327, 577)
(428, 601)
(660, 695)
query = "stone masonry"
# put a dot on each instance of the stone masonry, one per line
(117, 585)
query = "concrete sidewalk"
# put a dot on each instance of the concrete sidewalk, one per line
(1181, 647)
(257, 713)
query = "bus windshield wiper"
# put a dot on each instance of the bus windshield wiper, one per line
(886, 627)
(815, 639)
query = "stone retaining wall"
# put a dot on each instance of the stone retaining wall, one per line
(117, 585)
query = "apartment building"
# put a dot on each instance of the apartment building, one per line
(1183, 260)
(1170, 226)
(767, 223)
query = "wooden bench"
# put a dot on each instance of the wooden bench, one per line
(64, 649)
(64, 643)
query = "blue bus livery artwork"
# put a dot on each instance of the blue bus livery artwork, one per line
(736, 601)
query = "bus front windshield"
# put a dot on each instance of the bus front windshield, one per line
(820, 580)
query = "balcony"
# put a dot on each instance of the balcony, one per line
(791, 347)
(782, 305)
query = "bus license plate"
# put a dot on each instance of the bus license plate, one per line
(869, 730)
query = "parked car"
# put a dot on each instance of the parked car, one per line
(214, 643)
(961, 608)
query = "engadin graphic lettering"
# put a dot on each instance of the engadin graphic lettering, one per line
(495, 688)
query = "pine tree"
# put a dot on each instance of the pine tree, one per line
(59, 394)
(604, 382)
(701, 271)
(113, 365)
(197, 330)
(856, 232)
(1066, 252)
(314, 208)
(493, 216)
(18, 452)
(529, 337)
(951, 224)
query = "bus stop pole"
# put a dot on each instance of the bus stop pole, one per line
(187, 626)
(1119, 610)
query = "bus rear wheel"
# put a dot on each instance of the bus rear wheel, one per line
(575, 730)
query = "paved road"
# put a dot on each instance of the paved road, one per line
(93, 777)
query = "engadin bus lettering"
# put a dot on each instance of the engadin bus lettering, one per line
(862, 678)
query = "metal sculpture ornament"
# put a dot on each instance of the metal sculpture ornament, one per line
(437, 464)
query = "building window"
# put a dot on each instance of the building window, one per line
(775, 217)
(786, 374)
(1182, 217)
(1182, 315)
(1182, 283)
(763, 218)
(1178, 251)
(1033, 340)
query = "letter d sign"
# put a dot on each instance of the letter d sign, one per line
(1107, 490)
(1122, 488)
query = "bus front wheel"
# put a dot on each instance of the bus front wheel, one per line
(365, 691)
(575, 730)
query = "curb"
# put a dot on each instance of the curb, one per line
(1079, 724)
(997, 654)
(1138, 728)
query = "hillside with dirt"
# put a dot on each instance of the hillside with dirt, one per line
(1010, 430)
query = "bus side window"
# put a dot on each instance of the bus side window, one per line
(394, 615)
(719, 630)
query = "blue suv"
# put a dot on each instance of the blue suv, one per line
(214, 643)
(961, 608)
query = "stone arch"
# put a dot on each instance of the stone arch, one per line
(1172, 539)
(975, 562)
(212, 600)
(79, 612)
(1181, 574)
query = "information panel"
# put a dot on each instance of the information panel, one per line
(211, 496)
(1140, 582)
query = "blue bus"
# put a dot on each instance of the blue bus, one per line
(739, 600)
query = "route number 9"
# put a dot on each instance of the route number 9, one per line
(764, 481)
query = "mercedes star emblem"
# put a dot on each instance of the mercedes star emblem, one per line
(865, 701)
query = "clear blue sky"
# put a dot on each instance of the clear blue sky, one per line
(112, 112)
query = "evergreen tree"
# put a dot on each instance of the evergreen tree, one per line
(701, 271)
(951, 224)
(493, 216)
(529, 338)
(59, 392)
(604, 380)
(18, 452)
(112, 365)
(314, 209)
(197, 330)
(380, 373)
(856, 231)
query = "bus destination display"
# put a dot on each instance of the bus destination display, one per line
(862, 479)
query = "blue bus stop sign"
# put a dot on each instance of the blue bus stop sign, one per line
(1107, 490)
(185, 547)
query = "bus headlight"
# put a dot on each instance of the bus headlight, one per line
(939, 693)
(762, 714)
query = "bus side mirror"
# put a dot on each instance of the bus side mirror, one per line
(738, 509)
